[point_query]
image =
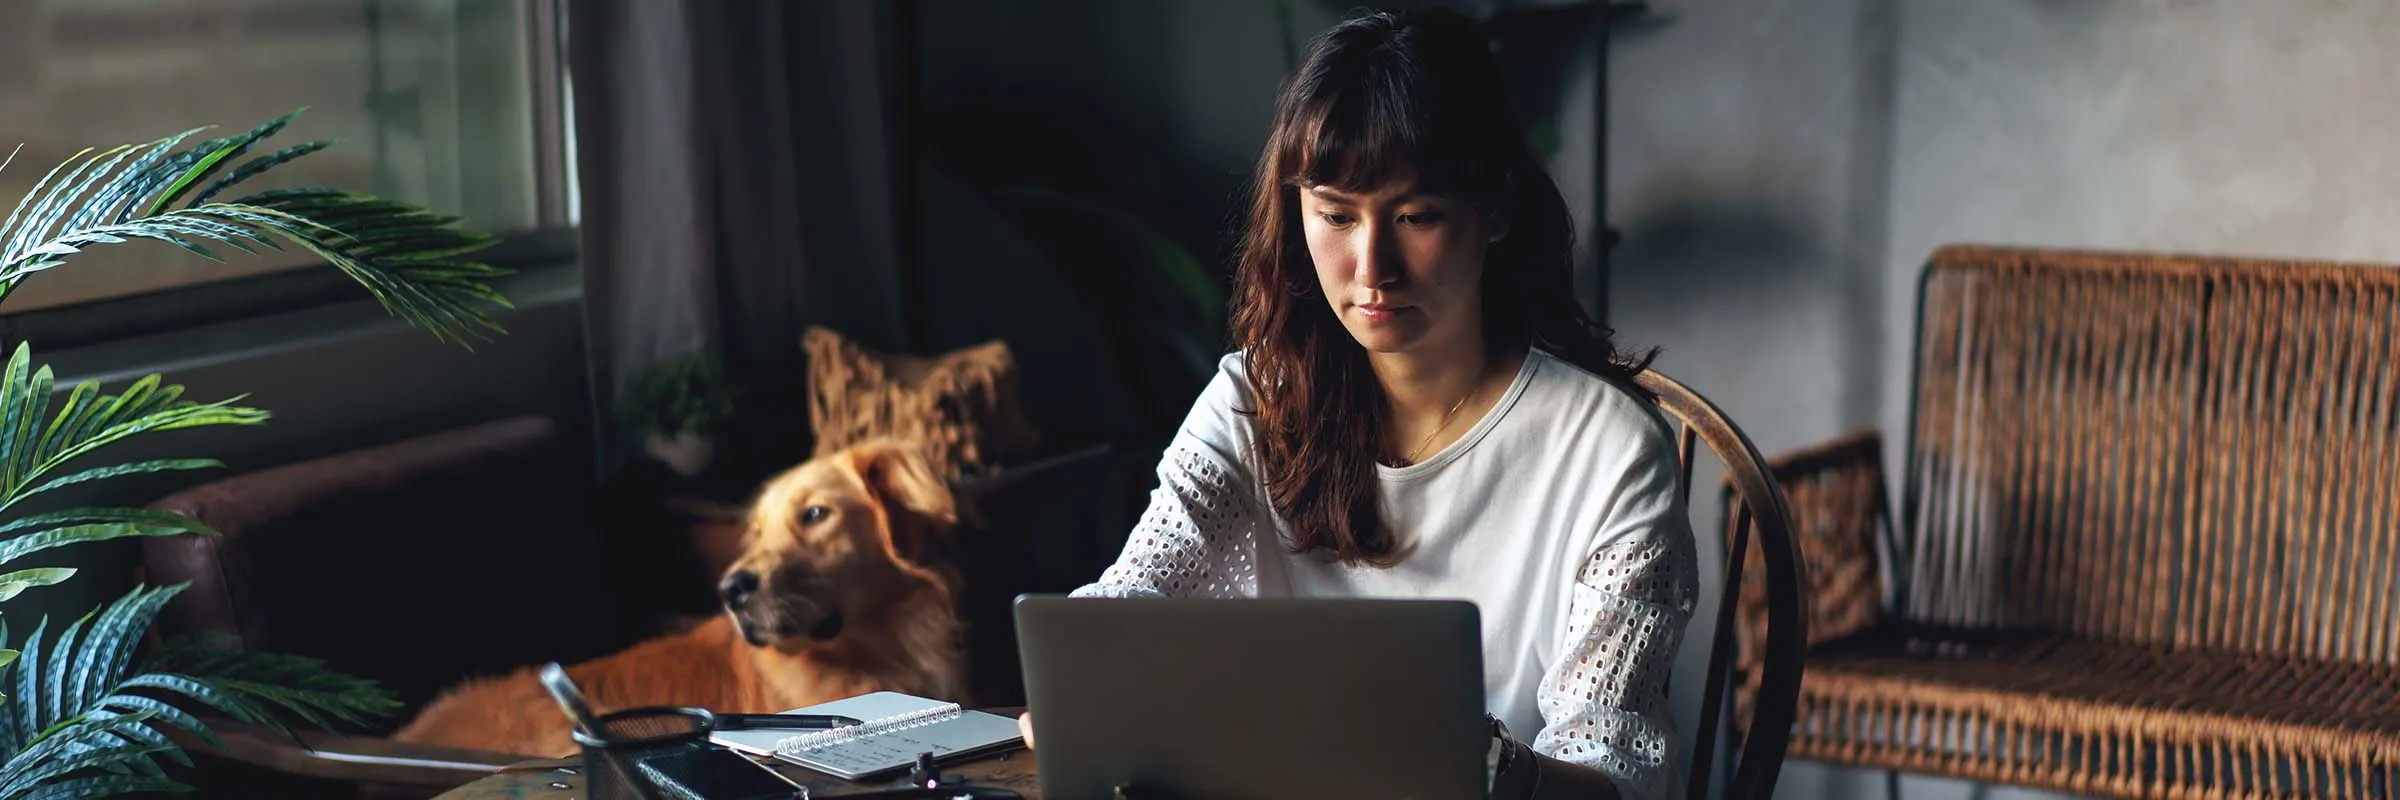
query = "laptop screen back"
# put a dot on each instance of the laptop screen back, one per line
(1268, 698)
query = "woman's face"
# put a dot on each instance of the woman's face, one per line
(1402, 270)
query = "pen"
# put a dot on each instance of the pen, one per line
(739, 722)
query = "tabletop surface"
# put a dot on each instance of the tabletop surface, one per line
(562, 779)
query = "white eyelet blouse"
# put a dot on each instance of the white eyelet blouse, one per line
(1558, 514)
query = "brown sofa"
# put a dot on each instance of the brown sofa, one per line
(405, 563)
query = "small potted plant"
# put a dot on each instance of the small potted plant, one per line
(679, 405)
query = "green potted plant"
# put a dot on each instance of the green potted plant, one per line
(83, 716)
(679, 405)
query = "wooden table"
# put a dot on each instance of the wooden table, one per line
(547, 780)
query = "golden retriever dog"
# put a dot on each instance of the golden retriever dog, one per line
(845, 586)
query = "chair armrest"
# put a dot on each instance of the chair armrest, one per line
(344, 758)
(1835, 491)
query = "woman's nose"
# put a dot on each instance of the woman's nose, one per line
(1378, 256)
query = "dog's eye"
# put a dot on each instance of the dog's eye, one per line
(815, 514)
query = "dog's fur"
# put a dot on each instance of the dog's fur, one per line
(854, 593)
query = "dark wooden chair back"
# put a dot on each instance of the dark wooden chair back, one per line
(1759, 520)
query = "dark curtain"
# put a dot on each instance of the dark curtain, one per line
(737, 187)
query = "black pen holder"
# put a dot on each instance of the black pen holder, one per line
(612, 756)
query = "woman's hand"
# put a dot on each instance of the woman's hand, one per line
(1025, 728)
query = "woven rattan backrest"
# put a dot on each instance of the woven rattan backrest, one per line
(2199, 452)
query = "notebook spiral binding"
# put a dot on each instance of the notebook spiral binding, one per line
(875, 727)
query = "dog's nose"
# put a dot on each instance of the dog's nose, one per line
(737, 588)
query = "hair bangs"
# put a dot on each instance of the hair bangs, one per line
(1382, 121)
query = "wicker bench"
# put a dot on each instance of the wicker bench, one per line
(2149, 537)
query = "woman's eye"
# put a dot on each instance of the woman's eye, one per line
(1337, 220)
(815, 514)
(1421, 219)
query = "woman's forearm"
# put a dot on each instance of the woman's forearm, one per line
(1557, 780)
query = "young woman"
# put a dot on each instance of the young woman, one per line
(1419, 408)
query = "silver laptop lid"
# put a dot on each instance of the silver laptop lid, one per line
(1270, 698)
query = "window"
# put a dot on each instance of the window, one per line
(454, 104)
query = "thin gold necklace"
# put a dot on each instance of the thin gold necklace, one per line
(1447, 416)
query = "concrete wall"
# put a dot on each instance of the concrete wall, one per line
(2220, 126)
(1747, 152)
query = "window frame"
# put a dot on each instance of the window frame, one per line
(549, 246)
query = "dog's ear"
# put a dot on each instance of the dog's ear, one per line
(903, 481)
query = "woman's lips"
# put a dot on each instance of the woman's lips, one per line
(1380, 312)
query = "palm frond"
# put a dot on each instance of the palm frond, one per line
(76, 534)
(78, 709)
(298, 685)
(17, 582)
(258, 165)
(409, 259)
(75, 746)
(88, 421)
(131, 468)
(24, 709)
(106, 786)
(74, 690)
(144, 517)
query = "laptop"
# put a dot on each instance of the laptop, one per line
(1254, 698)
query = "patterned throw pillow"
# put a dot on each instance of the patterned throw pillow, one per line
(962, 405)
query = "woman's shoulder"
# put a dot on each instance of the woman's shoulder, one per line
(1223, 415)
(1230, 387)
(1619, 410)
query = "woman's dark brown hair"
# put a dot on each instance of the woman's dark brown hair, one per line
(1376, 96)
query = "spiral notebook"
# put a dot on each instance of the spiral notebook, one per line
(897, 727)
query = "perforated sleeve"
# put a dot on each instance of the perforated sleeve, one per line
(1604, 702)
(1199, 538)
